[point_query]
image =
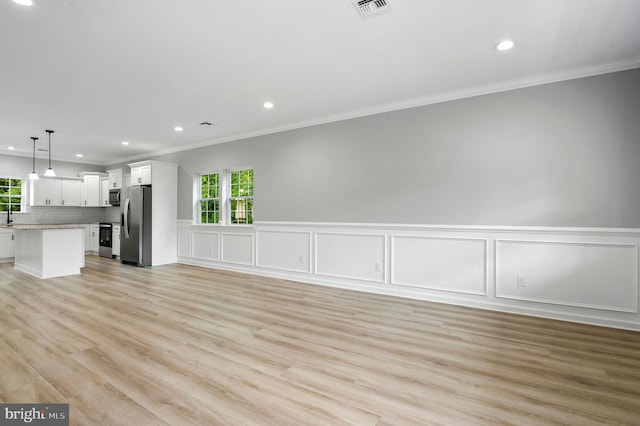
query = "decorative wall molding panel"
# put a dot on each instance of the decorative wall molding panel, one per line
(592, 275)
(587, 275)
(206, 245)
(184, 241)
(282, 250)
(350, 256)
(449, 264)
(238, 248)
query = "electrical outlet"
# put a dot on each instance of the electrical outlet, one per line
(378, 267)
(301, 260)
(520, 280)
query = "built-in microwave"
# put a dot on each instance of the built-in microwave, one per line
(114, 197)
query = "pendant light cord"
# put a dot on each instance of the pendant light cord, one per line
(49, 171)
(34, 153)
(49, 131)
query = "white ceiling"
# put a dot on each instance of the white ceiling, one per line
(102, 71)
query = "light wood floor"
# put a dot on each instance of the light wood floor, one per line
(181, 345)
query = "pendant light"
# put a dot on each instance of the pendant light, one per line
(49, 172)
(33, 175)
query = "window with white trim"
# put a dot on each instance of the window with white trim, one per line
(241, 197)
(209, 201)
(225, 197)
(10, 194)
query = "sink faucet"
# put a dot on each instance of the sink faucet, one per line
(9, 218)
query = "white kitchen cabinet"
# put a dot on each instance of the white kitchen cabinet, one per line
(141, 174)
(87, 238)
(71, 192)
(95, 237)
(45, 192)
(115, 178)
(104, 192)
(7, 245)
(115, 240)
(91, 238)
(91, 191)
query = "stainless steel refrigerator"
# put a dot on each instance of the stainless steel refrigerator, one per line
(135, 236)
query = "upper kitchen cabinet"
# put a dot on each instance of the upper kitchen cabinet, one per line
(45, 192)
(71, 192)
(141, 173)
(63, 191)
(104, 191)
(115, 178)
(91, 190)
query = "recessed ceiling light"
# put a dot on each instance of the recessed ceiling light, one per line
(125, 143)
(79, 155)
(11, 148)
(178, 129)
(504, 45)
(268, 105)
(24, 2)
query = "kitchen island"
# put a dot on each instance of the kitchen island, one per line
(48, 251)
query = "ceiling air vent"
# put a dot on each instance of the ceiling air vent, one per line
(369, 8)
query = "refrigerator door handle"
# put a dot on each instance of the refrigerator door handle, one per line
(126, 219)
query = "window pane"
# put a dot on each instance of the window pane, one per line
(10, 194)
(209, 188)
(242, 183)
(250, 210)
(242, 211)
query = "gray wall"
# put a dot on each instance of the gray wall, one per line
(562, 154)
(20, 167)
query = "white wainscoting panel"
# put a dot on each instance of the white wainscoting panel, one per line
(592, 275)
(353, 256)
(587, 275)
(438, 263)
(206, 245)
(285, 250)
(184, 241)
(237, 248)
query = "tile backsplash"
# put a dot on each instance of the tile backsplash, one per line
(51, 215)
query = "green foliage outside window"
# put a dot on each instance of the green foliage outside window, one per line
(10, 194)
(210, 198)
